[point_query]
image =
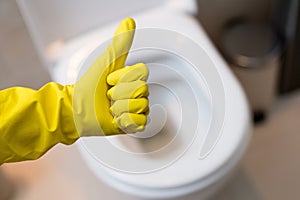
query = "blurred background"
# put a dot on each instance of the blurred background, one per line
(270, 169)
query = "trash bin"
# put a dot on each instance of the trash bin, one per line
(253, 51)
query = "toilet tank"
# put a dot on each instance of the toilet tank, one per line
(56, 20)
(52, 23)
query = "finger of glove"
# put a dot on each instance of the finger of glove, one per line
(136, 106)
(116, 53)
(118, 50)
(131, 123)
(127, 74)
(128, 90)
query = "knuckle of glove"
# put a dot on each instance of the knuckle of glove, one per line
(135, 72)
(137, 106)
(128, 90)
(131, 123)
(129, 94)
(127, 74)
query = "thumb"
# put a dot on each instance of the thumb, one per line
(121, 44)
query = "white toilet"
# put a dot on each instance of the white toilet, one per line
(199, 123)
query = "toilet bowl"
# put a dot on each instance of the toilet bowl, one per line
(198, 126)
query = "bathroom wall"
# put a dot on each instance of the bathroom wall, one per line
(214, 14)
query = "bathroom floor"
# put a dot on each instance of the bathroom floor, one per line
(269, 170)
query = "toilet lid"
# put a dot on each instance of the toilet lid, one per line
(187, 109)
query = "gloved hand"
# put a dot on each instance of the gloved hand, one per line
(91, 105)
(108, 99)
(129, 94)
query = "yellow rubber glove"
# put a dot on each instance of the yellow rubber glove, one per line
(92, 107)
(31, 122)
(129, 94)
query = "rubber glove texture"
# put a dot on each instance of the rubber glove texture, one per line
(31, 122)
(129, 96)
(108, 99)
(93, 96)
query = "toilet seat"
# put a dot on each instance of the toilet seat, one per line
(226, 153)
